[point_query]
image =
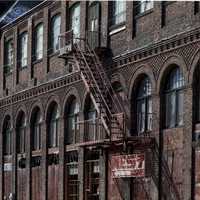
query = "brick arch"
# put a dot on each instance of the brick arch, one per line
(52, 99)
(194, 64)
(143, 70)
(72, 92)
(36, 104)
(169, 63)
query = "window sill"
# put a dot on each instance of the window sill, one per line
(37, 61)
(21, 155)
(117, 29)
(147, 12)
(36, 152)
(53, 150)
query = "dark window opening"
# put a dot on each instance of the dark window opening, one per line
(144, 106)
(196, 7)
(92, 173)
(7, 137)
(72, 185)
(53, 119)
(174, 98)
(21, 133)
(36, 131)
(72, 130)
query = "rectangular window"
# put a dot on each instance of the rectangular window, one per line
(75, 20)
(8, 55)
(39, 42)
(118, 12)
(143, 6)
(23, 50)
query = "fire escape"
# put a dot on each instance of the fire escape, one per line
(111, 112)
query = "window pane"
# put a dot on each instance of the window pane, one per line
(180, 108)
(24, 50)
(8, 55)
(75, 20)
(145, 5)
(39, 42)
(141, 116)
(171, 109)
(119, 12)
(56, 23)
(149, 114)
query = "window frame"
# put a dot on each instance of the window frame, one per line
(146, 99)
(8, 55)
(176, 91)
(55, 32)
(39, 41)
(21, 135)
(23, 49)
(53, 126)
(77, 25)
(72, 116)
(116, 13)
(139, 7)
(7, 138)
(36, 131)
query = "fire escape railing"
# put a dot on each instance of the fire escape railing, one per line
(97, 83)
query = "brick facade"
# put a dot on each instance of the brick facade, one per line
(150, 44)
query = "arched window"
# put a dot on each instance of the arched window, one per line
(72, 119)
(7, 137)
(55, 31)
(39, 41)
(144, 106)
(174, 98)
(21, 133)
(75, 19)
(36, 130)
(53, 126)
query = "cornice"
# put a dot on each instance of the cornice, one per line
(153, 49)
(41, 89)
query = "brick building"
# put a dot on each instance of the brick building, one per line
(123, 88)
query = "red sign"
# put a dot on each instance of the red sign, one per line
(132, 165)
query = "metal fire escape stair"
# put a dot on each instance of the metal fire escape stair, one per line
(110, 110)
(100, 89)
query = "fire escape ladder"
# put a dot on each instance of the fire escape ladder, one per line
(100, 89)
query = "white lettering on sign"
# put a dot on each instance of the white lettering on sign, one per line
(128, 165)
